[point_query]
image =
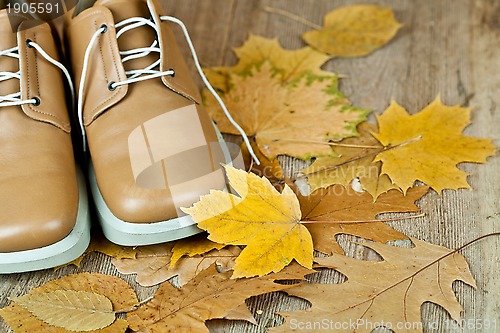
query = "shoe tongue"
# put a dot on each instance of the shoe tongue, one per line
(136, 38)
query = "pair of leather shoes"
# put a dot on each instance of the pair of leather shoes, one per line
(153, 149)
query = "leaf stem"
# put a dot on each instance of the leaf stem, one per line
(333, 167)
(412, 276)
(135, 307)
(382, 150)
(251, 166)
(329, 143)
(362, 221)
(291, 16)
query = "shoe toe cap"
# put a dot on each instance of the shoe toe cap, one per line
(34, 217)
(151, 198)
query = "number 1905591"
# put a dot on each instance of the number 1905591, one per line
(33, 8)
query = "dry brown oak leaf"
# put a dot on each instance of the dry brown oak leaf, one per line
(152, 264)
(428, 145)
(391, 291)
(288, 110)
(117, 291)
(210, 295)
(242, 312)
(357, 210)
(354, 31)
(355, 159)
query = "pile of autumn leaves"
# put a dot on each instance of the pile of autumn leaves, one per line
(288, 106)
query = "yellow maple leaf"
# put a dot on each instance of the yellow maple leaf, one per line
(428, 145)
(266, 221)
(295, 120)
(290, 64)
(354, 31)
(282, 94)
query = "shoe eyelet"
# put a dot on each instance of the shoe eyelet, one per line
(173, 72)
(28, 42)
(104, 27)
(37, 101)
(110, 86)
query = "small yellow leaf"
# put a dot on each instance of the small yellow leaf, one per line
(121, 295)
(267, 221)
(354, 31)
(192, 246)
(152, 264)
(78, 311)
(428, 145)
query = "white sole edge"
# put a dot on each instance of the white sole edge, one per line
(57, 254)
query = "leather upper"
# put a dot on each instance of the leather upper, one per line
(153, 146)
(38, 187)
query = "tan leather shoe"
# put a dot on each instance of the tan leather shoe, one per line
(44, 217)
(153, 147)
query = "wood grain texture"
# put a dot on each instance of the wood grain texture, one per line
(446, 47)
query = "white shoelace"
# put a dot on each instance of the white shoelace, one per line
(15, 98)
(149, 72)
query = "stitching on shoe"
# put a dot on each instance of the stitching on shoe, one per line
(95, 114)
(36, 70)
(84, 15)
(170, 80)
(63, 124)
(102, 56)
(79, 18)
